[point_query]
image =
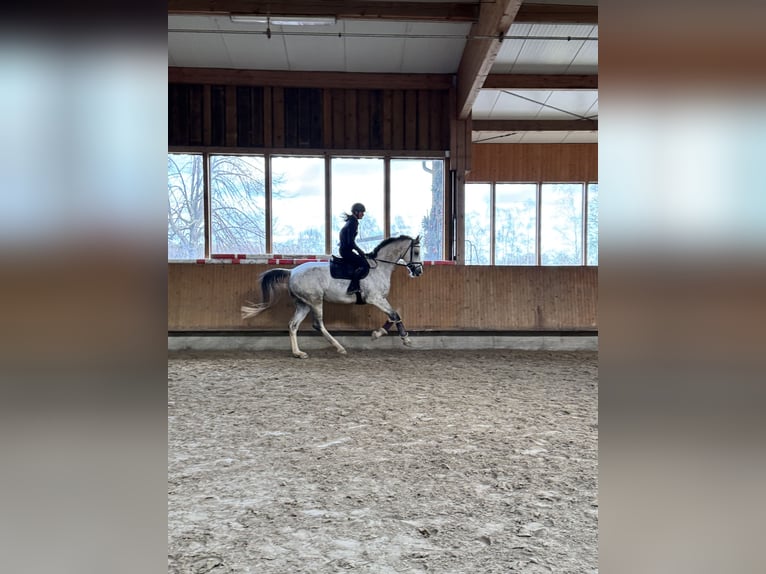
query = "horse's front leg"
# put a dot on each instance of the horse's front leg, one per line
(393, 319)
(378, 333)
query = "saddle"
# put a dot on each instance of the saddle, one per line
(343, 269)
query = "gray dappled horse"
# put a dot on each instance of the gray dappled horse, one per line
(310, 284)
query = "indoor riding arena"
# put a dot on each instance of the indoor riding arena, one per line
(470, 451)
(471, 444)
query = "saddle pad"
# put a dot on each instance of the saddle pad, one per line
(342, 269)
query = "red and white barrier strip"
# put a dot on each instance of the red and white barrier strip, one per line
(293, 261)
(260, 259)
(266, 256)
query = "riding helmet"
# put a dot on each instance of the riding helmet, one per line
(357, 207)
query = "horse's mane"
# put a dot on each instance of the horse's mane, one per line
(388, 241)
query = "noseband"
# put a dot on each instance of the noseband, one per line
(412, 266)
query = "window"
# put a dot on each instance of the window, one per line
(531, 224)
(417, 203)
(561, 224)
(358, 180)
(591, 230)
(288, 204)
(297, 217)
(186, 207)
(238, 204)
(477, 223)
(515, 223)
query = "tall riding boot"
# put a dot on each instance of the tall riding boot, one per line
(353, 287)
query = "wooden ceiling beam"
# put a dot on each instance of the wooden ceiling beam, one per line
(541, 82)
(557, 14)
(495, 19)
(276, 78)
(341, 9)
(534, 125)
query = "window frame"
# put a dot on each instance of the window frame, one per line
(327, 156)
(538, 224)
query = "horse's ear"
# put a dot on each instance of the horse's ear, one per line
(417, 239)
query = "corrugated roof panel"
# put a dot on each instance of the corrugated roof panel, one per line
(439, 28)
(544, 137)
(304, 53)
(541, 56)
(561, 30)
(382, 55)
(506, 57)
(581, 137)
(256, 52)
(198, 50)
(193, 22)
(575, 102)
(519, 104)
(586, 60)
(485, 101)
(519, 29)
(440, 56)
(496, 137)
(593, 110)
(373, 27)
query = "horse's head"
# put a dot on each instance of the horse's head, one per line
(402, 250)
(412, 258)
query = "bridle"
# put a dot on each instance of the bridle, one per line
(411, 265)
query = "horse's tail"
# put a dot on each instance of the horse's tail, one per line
(271, 281)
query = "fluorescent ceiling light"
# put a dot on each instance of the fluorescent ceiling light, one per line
(249, 19)
(284, 20)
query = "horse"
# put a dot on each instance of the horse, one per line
(311, 283)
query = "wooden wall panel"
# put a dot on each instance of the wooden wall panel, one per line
(534, 162)
(268, 125)
(207, 120)
(410, 119)
(248, 116)
(178, 114)
(327, 118)
(350, 126)
(363, 118)
(291, 116)
(424, 119)
(436, 106)
(388, 119)
(338, 118)
(218, 115)
(444, 298)
(398, 119)
(278, 116)
(231, 116)
(196, 103)
(376, 119)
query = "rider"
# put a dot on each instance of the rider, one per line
(349, 250)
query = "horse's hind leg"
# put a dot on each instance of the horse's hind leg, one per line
(301, 310)
(319, 325)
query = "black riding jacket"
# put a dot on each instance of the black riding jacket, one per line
(348, 247)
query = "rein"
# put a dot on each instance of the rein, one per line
(401, 257)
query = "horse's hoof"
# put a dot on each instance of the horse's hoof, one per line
(342, 352)
(407, 342)
(301, 355)
(378, 333)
